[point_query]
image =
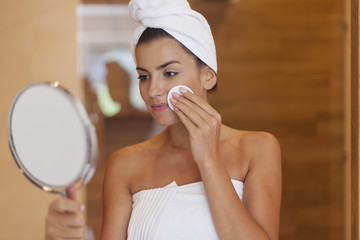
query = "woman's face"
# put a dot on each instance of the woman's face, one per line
(161, 65)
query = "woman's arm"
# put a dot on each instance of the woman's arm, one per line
(117, 199)
(256, 218)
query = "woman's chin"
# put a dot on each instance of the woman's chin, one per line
(167, 121)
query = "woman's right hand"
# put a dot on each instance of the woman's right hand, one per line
(65, 219)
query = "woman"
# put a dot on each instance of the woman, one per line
(198, 179)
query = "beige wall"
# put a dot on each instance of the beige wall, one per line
(37, 43)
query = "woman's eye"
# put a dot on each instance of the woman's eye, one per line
(170, 74)
(143, 77)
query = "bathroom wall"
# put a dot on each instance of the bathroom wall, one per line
(37, 43)
(281, 70)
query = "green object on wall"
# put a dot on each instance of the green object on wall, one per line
(108, 106)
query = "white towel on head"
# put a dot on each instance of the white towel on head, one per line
(176, 18)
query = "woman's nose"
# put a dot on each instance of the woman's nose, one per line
(156, 88)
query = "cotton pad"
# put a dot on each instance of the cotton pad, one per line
(175, 89)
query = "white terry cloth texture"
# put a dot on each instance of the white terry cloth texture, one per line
(174, 212)
(178, 19)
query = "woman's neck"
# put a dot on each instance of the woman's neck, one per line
(177, 136)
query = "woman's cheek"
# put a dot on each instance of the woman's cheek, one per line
(142, 91)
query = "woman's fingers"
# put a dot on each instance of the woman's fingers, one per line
(65, 220)
(199, 102)
(188, 112)
(59, 232)
(64, 205)
(196, 109)
(189, 124)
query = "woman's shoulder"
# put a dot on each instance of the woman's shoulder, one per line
(127, 163)
(131, 159)
(258, 153)
(131, 155)
(253, 142)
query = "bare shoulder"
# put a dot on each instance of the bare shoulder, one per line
(260, 142)
(123, 157)
(263, 151)
(256, 145)
(254, 142)
(124, 162)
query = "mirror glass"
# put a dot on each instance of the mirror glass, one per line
(51, 137)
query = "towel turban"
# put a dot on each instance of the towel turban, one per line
(175, 17)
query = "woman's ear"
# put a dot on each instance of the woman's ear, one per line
(210, 77)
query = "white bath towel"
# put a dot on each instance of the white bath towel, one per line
(178, 19)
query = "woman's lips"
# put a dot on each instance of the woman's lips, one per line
(160, 107)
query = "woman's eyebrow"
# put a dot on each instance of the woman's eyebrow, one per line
(159, 67)
(167, 64)
(141, 69)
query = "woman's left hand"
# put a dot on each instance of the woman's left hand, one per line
(202, 122)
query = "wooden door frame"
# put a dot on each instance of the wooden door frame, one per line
(354, 119)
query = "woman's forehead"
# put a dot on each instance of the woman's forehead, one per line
(160, 51)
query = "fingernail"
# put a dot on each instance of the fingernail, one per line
(82, 207)
(173, 100)
(183, 90)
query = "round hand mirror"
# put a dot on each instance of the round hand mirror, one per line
(51, 138)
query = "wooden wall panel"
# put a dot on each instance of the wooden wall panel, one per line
(281, 71)
(355, 119)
